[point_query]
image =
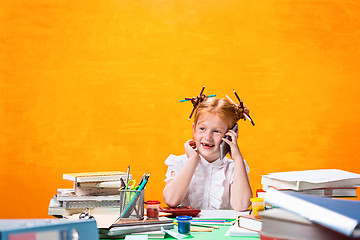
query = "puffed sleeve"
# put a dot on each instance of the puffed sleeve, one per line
(175, 164)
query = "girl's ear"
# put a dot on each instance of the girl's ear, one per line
(193, 125)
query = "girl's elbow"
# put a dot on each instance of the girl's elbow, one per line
(170, 201)
(241, 208)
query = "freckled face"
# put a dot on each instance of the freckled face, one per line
(208, 134)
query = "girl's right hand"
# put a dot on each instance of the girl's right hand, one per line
(190, 150)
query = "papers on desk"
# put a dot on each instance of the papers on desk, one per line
(220, 214)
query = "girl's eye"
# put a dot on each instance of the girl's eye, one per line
(202, 128)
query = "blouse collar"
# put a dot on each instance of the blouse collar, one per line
(217, 163)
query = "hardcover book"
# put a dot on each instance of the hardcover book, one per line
(340, 215)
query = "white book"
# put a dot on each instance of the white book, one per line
(310, 179)
(250, 222)
(95, 176)
(89, 198)
(235, 230)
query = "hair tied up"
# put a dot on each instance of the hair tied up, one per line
(199, 99)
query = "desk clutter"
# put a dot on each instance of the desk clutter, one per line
(291, 205)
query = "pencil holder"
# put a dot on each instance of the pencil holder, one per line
(132, 204)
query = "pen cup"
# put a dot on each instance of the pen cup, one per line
(258, 205)
(184, 223)
(152, 209)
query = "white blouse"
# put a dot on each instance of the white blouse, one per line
(210, 185)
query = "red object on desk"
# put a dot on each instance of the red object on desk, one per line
(181, 211)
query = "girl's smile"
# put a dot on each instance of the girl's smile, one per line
(208, 134)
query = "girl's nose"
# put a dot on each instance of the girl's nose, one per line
(208, 135)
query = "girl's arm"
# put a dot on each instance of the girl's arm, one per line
(240, 188)
(175, 189)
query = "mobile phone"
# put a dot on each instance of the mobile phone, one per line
(224, 147)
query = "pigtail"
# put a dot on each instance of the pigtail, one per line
(199, 99)
(240, 109)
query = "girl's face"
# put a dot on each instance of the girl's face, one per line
(208, 134)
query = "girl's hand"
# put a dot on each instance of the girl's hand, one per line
(190, 151)
(234, 147)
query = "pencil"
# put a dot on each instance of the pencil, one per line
(237, 95)
(230, 100)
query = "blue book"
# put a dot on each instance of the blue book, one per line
(337, 214)
(46, 229)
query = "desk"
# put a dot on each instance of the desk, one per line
(214, 235)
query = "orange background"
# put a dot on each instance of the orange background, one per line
(95, 85)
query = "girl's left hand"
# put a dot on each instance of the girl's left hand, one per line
(234, 147)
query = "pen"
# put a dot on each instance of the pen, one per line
(123, 183)
(127, 176)
(131, 203)
(237, 96)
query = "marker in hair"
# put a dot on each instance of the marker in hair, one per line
(191, 113)
(237, 96)
(202, 90)
(249, 118)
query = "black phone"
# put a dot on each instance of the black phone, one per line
(224, 147)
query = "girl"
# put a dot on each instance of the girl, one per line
(199, 178)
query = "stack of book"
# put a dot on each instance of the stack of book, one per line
(323, 182)
(98, 191)
(301, 216)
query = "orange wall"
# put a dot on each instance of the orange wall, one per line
(94, 86)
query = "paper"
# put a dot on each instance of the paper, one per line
(174, 234)
(221, 214)
(136, 237)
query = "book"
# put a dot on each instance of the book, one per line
(324, 192)
(95, 191)
(95, 176)
(56, 209)
(250, 222)
(44, 229)
(235, 230)
(106, 184)
(281, 224)
(310, 179)
(122, 227)
(340, 215)
(89, 198)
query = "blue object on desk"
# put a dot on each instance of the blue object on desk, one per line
(61, 229)
(184, 223)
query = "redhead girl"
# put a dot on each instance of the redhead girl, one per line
(199, 178)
